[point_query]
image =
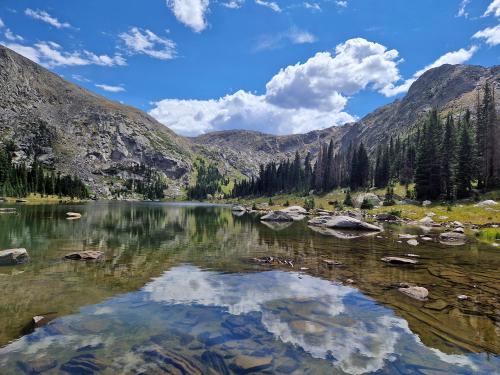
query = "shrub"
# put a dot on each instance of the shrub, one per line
(366, 205)
(271, 203)
(287, 203)
(309, 203)
(254, 206)
(348, 199)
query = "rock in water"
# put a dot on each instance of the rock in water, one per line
(37, 366)
(412, 242)
(452, 238)
(247, 364)
(12, 257)
(85, 255)
(83, 364)
(238, 208)
(169, 362)
(73, 215)
(276, 216)
(215, 362)
(416, 292)
(399, 260)
(344, 222)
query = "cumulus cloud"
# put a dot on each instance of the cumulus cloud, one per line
(323, 80)
(293, 35)
(491, 35)
(51, 54)
(1, 23)
(191, 12)
(302, 97)
(46, 17)
(110, 88)
(342, 4)
(139, 41)
(455, 57)
(269, 4)
(493, 9)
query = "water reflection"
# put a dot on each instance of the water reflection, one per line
(285, 321)
(333, 325)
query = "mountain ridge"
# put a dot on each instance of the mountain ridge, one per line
(76, 131)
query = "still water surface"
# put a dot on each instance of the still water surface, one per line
(179, 293)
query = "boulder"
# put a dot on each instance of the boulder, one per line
(346, 222)
(295, 210)
(405, 236)
(459, 230)
(12, 257)
(486, 203)
(427, 221)
(372, 198)
(85, 255)
(452, 238)
(417, 292)
(412, 242)
(238, 208)
(387, 217)
(277, 216)
(319, 220)
(426, 203)
(399, 260)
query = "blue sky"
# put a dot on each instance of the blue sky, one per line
(274, 66)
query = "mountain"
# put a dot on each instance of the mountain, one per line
(75, 131)
(449, 88)
(78, 132)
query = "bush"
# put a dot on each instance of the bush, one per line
(366, 205)
(254, 206)
(348, 199)
(287, 203)
(271, 203)
(395, 213)
(309, 203)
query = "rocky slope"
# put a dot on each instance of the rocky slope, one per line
(78, 132)
(449, 88)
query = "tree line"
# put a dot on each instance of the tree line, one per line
(209, 181)
(18, 180)
(444, 159)
(151, 186)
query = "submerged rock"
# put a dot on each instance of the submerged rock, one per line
(37, 366)
(215, 362)
(417, 292)
(452, 238)
(83, 364)
(247, 364)
(344, 222)
(168, 361)
(277, 216)
(12, 257)
(399, 260)
(307, 327)
(85, 255)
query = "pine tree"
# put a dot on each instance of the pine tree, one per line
(465, 164)
(448, 159)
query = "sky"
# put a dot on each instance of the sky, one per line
(279, 66)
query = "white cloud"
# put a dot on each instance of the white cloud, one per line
(110, 88)
(47, 18)
(320, 82)
(51, 54)
(293, 35)
(461, 9)
(312, 6)
(493, 9)
(456, 57)
(190, 12)
(233, 4)
(298, 99)
(269, 4)
(146, 42)
(490, 34)
(11, 36)
(342, 4)
(1, 23)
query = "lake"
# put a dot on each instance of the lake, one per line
(181, 293)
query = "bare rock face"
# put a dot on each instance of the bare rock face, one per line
(77, 132)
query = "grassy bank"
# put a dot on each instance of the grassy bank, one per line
(39, 199)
